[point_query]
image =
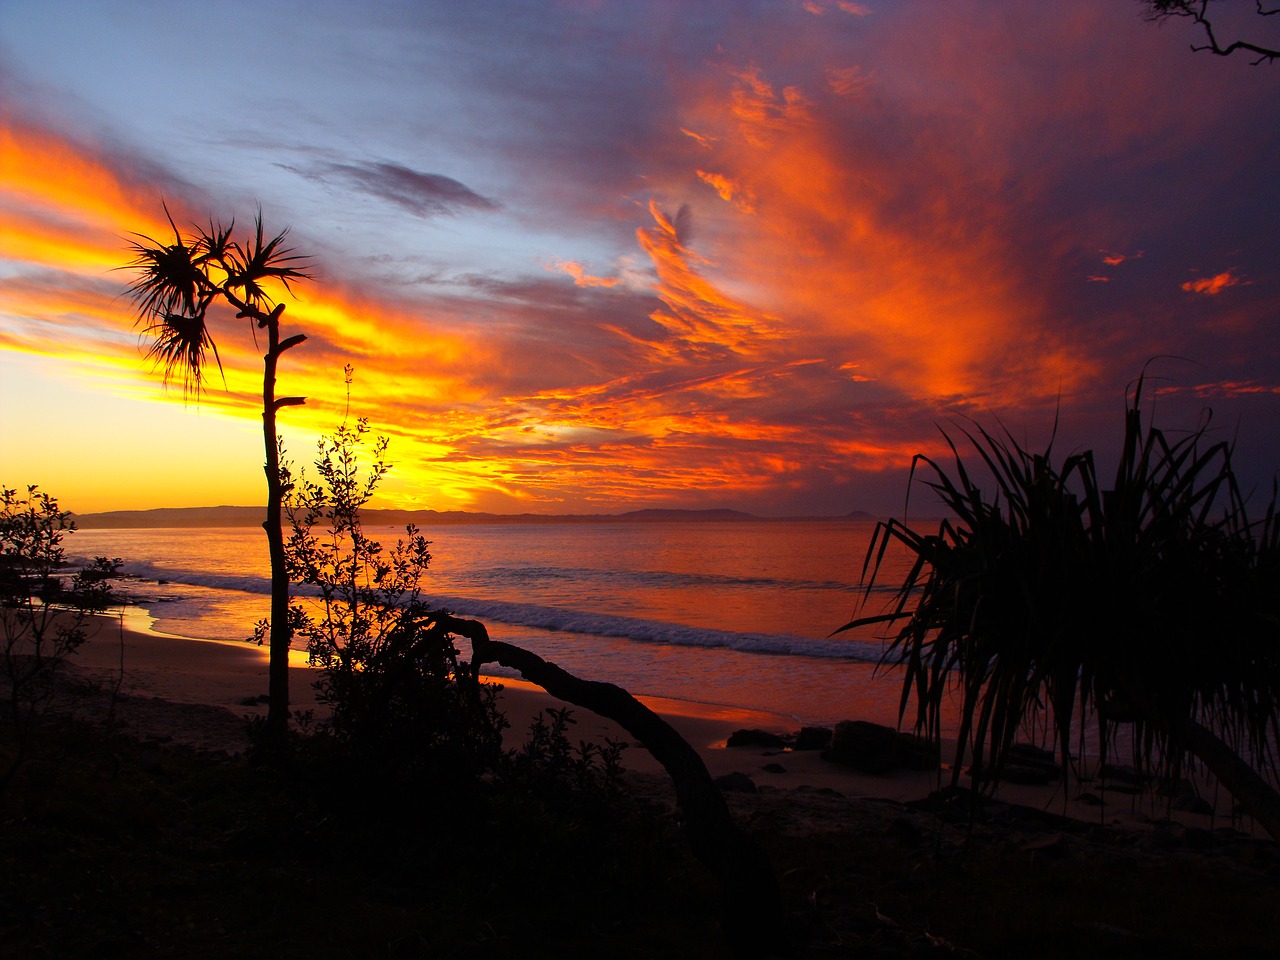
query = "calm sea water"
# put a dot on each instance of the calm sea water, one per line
(734, 613)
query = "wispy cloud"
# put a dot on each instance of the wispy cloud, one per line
(423, 194)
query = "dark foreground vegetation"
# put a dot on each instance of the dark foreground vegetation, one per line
(1050, 601)
(112, 848)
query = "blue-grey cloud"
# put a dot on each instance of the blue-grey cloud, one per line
(423, 194)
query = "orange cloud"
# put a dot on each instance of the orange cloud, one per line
(1211, 286)
(729, 190)
(583, 279)
(819, 7)
(761, 112)
(901, 268)
(1115, 259)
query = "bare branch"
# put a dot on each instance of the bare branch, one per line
(1198, 11)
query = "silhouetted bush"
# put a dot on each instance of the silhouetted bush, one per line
(401, 700)
(44, 607)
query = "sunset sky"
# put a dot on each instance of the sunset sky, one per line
(593, 256)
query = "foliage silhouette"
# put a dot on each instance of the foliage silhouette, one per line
(178, 283)
(588, 775)
(44, 615)
(400, 697)
(1049, 601)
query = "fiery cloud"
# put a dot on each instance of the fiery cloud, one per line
(897, 294)
(1212, 286)
(583, 279)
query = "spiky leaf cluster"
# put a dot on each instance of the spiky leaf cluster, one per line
(179, 280)
(1045, 598)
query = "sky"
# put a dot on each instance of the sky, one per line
(587, 257)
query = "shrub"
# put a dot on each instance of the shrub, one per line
(44, 606)
(401, 698)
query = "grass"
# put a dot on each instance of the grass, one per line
(104, 853)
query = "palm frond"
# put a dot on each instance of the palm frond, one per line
(179, 344)
(177, 280)
(173, 291)
(251, 265)
(170, 278)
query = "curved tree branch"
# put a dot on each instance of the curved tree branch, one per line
(751, 906)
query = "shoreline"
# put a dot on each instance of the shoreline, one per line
(198, 693)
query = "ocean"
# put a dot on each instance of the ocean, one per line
(735, 613)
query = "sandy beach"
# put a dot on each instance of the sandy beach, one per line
(198, 693)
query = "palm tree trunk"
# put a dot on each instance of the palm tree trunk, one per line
(278, 666)
(281, 634)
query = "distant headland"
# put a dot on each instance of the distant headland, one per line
(226, 516)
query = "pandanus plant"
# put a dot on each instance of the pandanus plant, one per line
(1045, 601)
(178, 282)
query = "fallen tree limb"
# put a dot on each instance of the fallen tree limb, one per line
(751, 906)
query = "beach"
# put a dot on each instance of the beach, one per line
(199, 694)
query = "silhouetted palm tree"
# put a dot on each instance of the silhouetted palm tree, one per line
(177, 284)
(1047, 598)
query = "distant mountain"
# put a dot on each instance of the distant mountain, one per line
(658, 515)
(172, 517)
(227, 516)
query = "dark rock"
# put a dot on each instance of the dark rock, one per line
(774, 768)
(736, 783)
(755, 738)
(1184, 796)
(1196, 838)
(864, 746)
(1201, 807)
(1030, 754)
(917, 753)
(813, 738)
(873, 748)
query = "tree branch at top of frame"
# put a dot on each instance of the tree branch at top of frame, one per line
(1198, 11)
